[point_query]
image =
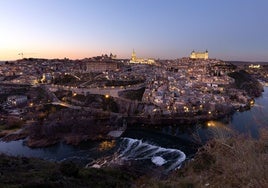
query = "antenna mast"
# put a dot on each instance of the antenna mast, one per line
(21, 54)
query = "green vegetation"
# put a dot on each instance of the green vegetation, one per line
(51, 108)
(11, 125)
(226, 161)
(88, 99)
(25, 172)
(47, 109)
(122, 83)
(60, 94)
(40, 94)
(95, 101)
(79, 97)
(109, 104)
(133, 94)
(9, 78)
(223, 162)
(245, 81)
(66, 80)
(17, 124)
(240, 77)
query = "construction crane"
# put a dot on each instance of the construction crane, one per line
(25, 54)
(21, 54)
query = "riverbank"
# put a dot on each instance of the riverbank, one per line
(74, 139)
(74, 126)
(220, 163)
(31, 172)
(97, 128)
(67, 125)
(38, 136)
(236, 161)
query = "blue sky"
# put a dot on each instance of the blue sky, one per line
(229, 30)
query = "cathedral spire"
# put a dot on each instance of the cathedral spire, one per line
(133, 56)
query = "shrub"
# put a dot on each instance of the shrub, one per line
(69, 169)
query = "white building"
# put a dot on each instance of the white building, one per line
(16, 99)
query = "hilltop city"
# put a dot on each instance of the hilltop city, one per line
(112, 92)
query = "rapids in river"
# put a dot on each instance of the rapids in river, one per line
(133, 149)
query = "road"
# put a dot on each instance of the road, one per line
(112, 91)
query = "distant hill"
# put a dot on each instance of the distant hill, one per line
(247, 62)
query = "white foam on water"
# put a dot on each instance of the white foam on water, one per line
(134, 149)
(159, 161)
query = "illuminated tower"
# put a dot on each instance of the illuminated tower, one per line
(206, 55)
(133, 56)
(193, 55)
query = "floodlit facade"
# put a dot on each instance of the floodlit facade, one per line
(199, 55)
(136, 60)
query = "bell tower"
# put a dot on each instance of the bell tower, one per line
(206, 55)
(133, 56)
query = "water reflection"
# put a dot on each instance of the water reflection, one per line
(249, 122)
(211, 124)
(219, 130)
(106, 145)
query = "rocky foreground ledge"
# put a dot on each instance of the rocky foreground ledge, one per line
(220, 162)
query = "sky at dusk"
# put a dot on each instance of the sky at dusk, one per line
(165, 29)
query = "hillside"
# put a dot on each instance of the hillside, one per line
(245, 81)
(235, 161)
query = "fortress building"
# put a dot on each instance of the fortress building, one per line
(199, 55)
(136, 60)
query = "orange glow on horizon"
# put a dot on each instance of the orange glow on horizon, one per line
(13, 54)
(9, 55)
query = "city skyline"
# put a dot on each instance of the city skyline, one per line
(156, 29)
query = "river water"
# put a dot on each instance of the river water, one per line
(254, 119)
(166, 146)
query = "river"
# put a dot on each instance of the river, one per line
(166, 146)
(250, 121)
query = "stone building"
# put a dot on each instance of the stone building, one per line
(136, 60)
(199, 55)
(16, 100)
